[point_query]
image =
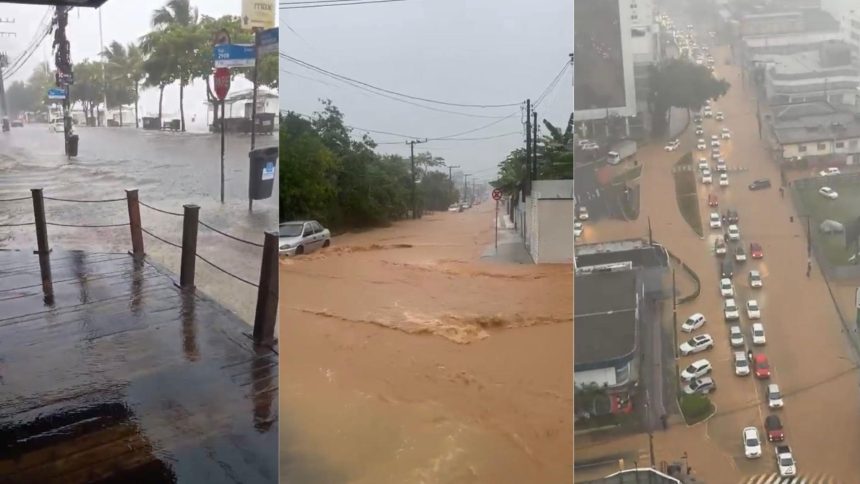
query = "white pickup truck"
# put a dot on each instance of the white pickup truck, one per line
(785, 461)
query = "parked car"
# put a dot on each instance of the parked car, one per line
(693, 323)
(724, 180)
(613, 157)
(713, 201)
(752, 444)
(774, 397)
(736, 337)
(734, 232)
(302, 237)
(702, 385)
(583, 213)
(773, 428)
(706, 177)
(756, 251)
(17, 123)
(830, 171)
(726, 289)
(742, 365)
(455, 208)
(672, 145)
(730, 310)
(760, 184)
(761, 367)
(755, 279)
(753, 309)
(828, 192)
(725, 133)
(697, 369)
(785, 462)
(758, 336)
(697, 344)
(740, 255)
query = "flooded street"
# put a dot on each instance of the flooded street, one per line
(169, 170)
(419, 361)
(808, 349)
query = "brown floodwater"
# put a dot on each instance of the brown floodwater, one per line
(408, 358)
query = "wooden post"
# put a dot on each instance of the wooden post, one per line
(267, 293)
(41, 224)
(189, 245)
(134, 222)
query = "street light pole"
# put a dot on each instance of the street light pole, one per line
(412, 159)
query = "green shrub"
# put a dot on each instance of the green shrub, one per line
(686, 194)
(695, 407)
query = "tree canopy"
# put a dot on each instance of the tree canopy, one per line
(554, 159)
(682, 84)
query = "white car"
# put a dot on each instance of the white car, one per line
(715, 221)
(703, 164)
(774, 397)
(725, 133)
(755, 279)
(720, 116)
(706, 177)
(583, 213)
(734, 232)
(752, 444)
(742, 364)
(715, 153)
(704, 384)
(753, 309)
(726, 289)
(828, 192)
(302, 237)
(829, 171)
(736, 337)
(721, 165)
(715, 141)
(697, 344)
(693, 323)
(672, 145)
(724, 180)
(785, 461)
(697, 369)
(730, 310)
(708, 113)
(701, 145)
(699, 130)
(577, 229)
(758, 336)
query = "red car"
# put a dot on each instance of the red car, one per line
(755, 251)
(712, 200)
(761, 367)
(773, 429)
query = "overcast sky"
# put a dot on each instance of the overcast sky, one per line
(460, 51)
(122, 20)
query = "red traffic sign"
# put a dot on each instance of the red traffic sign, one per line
(222, 82)
(497, 194)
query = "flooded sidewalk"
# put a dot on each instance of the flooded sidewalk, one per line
(422, 362)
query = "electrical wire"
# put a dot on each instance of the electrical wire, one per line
(338, 4)
(552, 85)
(33, 46)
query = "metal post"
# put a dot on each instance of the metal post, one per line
(497, 226)
(674, 314)
(651, 447)
(254, 95)
(222, 151)
(267, 293)
(189, 245)
(41, 224)
(134, 222)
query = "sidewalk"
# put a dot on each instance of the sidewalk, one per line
(512, 248)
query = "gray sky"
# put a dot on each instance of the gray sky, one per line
(461, 51)
(122, 20)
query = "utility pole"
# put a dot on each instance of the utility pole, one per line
(451, 174)
(412, 159)
(254, 95)
(527, 171)
(4, 62)
(64, 72)
(534, 146)
(104, 69)
(465, 186)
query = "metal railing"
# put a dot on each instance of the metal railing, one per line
(267, 286)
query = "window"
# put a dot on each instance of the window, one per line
(822, 146)
(840, 144)
(622, 374)
(801, 148)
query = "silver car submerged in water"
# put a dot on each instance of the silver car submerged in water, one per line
(302, 237)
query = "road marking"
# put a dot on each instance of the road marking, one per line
(774, 478)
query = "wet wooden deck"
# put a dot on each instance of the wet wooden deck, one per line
(121, 377)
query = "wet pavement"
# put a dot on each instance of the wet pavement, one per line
(169, 170)
(114, 375)
(806, 344)
(420, 361)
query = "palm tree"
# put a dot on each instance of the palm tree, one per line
(179, 20)
(135, 75)
(124, 72)
(157, 67)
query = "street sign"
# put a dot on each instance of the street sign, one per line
(258, 14)
(56, 93)
(497, 194)
(222, 82)
(234, 55)
(268, 41)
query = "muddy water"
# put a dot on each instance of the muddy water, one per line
(168, 169)
(408, 359)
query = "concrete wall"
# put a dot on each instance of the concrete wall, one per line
(555, 232)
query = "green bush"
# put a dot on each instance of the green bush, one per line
(686, 194)
(695, 407)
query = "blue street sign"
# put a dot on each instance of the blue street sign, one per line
(233, 55)
(56, 93)
(268, 41)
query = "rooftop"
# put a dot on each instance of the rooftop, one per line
(814, 20)
(801, 65)
(810, 122)
(604, 316)
(636, 251)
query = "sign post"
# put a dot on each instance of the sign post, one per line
(497, 195)
(222, 87)
(857, 301)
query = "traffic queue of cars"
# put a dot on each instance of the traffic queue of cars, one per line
(748, 357)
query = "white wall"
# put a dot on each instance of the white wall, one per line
(555, 237)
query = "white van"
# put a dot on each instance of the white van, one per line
(57, 125)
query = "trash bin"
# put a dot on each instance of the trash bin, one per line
(262, 172)
(72, 145)
(5, 124)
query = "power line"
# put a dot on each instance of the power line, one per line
(338, 4)
(552, 85)
(371, 86)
